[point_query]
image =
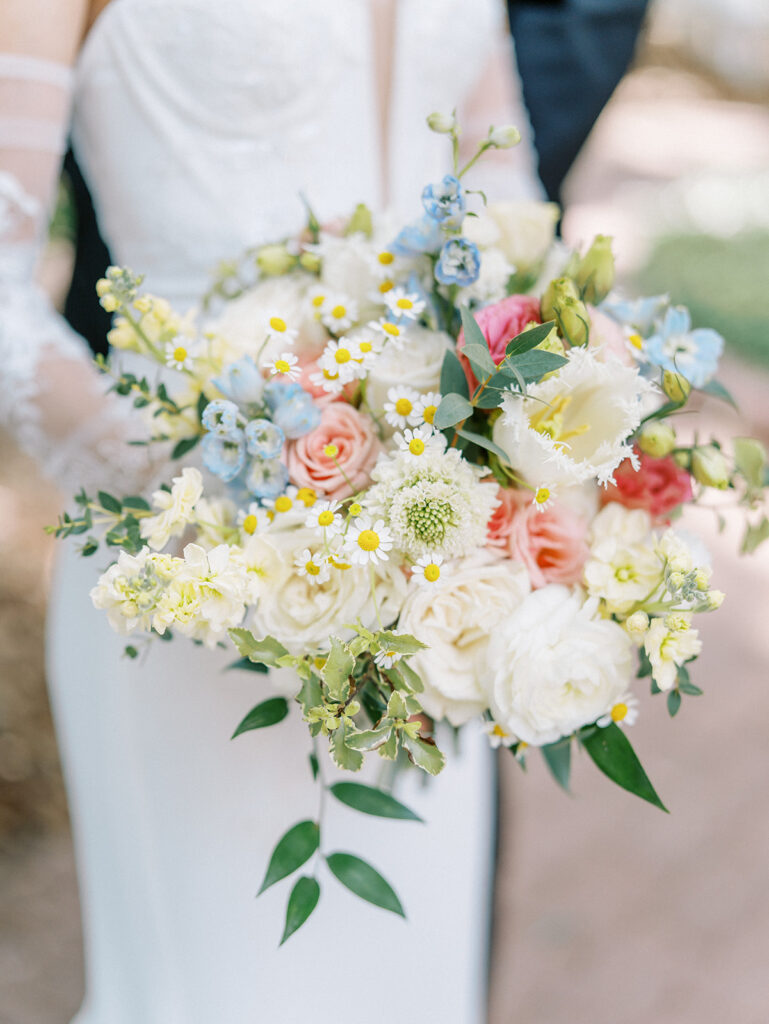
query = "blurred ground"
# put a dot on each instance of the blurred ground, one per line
(609, 912)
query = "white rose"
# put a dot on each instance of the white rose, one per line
(456, 619)
(491, 285)
(302, 614)
(418, 363)
(555, 666)
(348, 268)
(524, 231)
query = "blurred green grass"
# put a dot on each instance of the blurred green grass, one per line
(723, 281)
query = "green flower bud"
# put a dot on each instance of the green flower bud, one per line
(557, 292)
(573, 321)
(657, 439)
(682, 459)
(310, 261)
(552, 342)
(595, 273)
(709, 467)
(505, 137)
(275, 260)
(444, 124)
(676, 387)
(637, 624)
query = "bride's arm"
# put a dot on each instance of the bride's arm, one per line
(51, 397)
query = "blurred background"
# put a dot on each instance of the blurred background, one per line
(608, 910)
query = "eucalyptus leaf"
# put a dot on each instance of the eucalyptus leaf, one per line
(674, 703)
(527, 340)
(484, 442)
(360, 878)
(480, 360)
(453, 409)
(269, 712)
(612, 753)
(533, 366)
(184, 446)
(453, 379)
(301, 903)
(369, 800)
(558, 759)
(473, 333)
(424, 754)
(716, 389)
(293, 849)
(490, 397)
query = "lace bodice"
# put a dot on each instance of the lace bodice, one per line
(198, 124)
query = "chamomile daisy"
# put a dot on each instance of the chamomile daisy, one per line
(312, 566)
(368, 541)
(543, 498)
(497, 735)
(427, 570)
(624, 712)
(338, 314)
(386, 659)
(324, 516)
(404, 305)
(415, 443)
(392, 332)
(250, 519)
(180, 353)
(338, 357)
(286, 365)
(330, 380)
(277, 328)
(426, 407)
(400, 407)
(288, 501)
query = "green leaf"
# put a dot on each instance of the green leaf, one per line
(314, 766)
(265, 651)
(136, 501)
(755, 535)
(344, 756)
(294, 849)
(397, 706)
(558, 759)
(490, 397)
(248, 666)
(337, 670)
(750, 460)
(109, 503)
(424, 754)
(389, 749)
(674, 703)
(311, 694)
(690, 689)
(527, 340)
(184, 446)
(453, 409)
(401, 643)
(269, 712)
(301, 903)
(716, 390)
(532, 366)
(410, 676)
(484, 442)
(644, 665)
(480, 360)
(370, 739)
(612, 753)
(373, 801)
(131, 652)
(363, 880)
(453, 379)
(473, 334)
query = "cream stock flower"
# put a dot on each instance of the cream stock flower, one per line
(669, 642)
(177, 508)
(623, 568)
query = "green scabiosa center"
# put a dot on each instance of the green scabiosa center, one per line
(428, 520)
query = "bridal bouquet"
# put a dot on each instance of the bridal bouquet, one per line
(433, 470)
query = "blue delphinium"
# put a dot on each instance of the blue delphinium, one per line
(459, 263)
(224, 456)
(264, 439)
(444, 200)
(277, 391)
(266, 479)
(421, 236)
(221, 417)
(297, 417)
(639, 314)
(675, 346)
(241, 381)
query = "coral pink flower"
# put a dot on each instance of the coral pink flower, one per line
(658, 485)
(499, 323)
(309, 366)
(501, 520)
(551, 543)
(353, 434)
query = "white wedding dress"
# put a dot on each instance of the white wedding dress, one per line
(197, 123)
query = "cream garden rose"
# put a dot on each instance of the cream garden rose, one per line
(456, 619)
(555, 665)
(523, 231)
(417, 362)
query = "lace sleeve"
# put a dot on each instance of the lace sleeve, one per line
(52, 399)
(497, 99)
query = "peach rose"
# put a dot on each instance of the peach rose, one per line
(321, 397)
(658, 486)
(501, 521)
(353, 434)
(551, 543)
(500, 323)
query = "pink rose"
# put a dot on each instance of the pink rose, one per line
(658, 485)
(309, 366)
(354, 435)
(551, 543)
(500, 323)
(501, 520)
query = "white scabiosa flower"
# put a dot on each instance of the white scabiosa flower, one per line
(434, 503)
(574, 426)
(555, 665)
(176, 509)
(624, 568)
(456, 620)
(669, 642)
(368, 540)
(399, 409)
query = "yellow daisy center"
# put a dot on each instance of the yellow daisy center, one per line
(339, 565)
(282, 366)
(368, 540)
(404, 304)
(498, 731)
(618, 712)
(636, 340)
(416, 446)
(338, 312)
(366, 346)
(283, 503)
(392, 329)
(311, 568)
(326, 518)
(331, 451)
(386, 286)
(250, 523)
(542, 495)
(180, 354)
(342, 355)
(328, 375)
(428, 413)
(355, 509)
(319, 661)
(432, 572)
(306, 495)
(318, 301)
(386, 258)
(277, 324)
(403, 406)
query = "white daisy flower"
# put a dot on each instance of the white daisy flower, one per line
(391, 331)
(497, 735)
(338, 314)
(368, 541)
(415, 443)
(313, 566)
(543, 498)
(624, 712)
(318, 297)
(325, 517)
(386, 659)
(250, 519)
(365, 350)
(427, 569)
(400, 407)
(277, 328)
(180, 353)
(330, 380)
(426, 407)
(403, 304)
(288, 501)
(338, 357)
(286, 365)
